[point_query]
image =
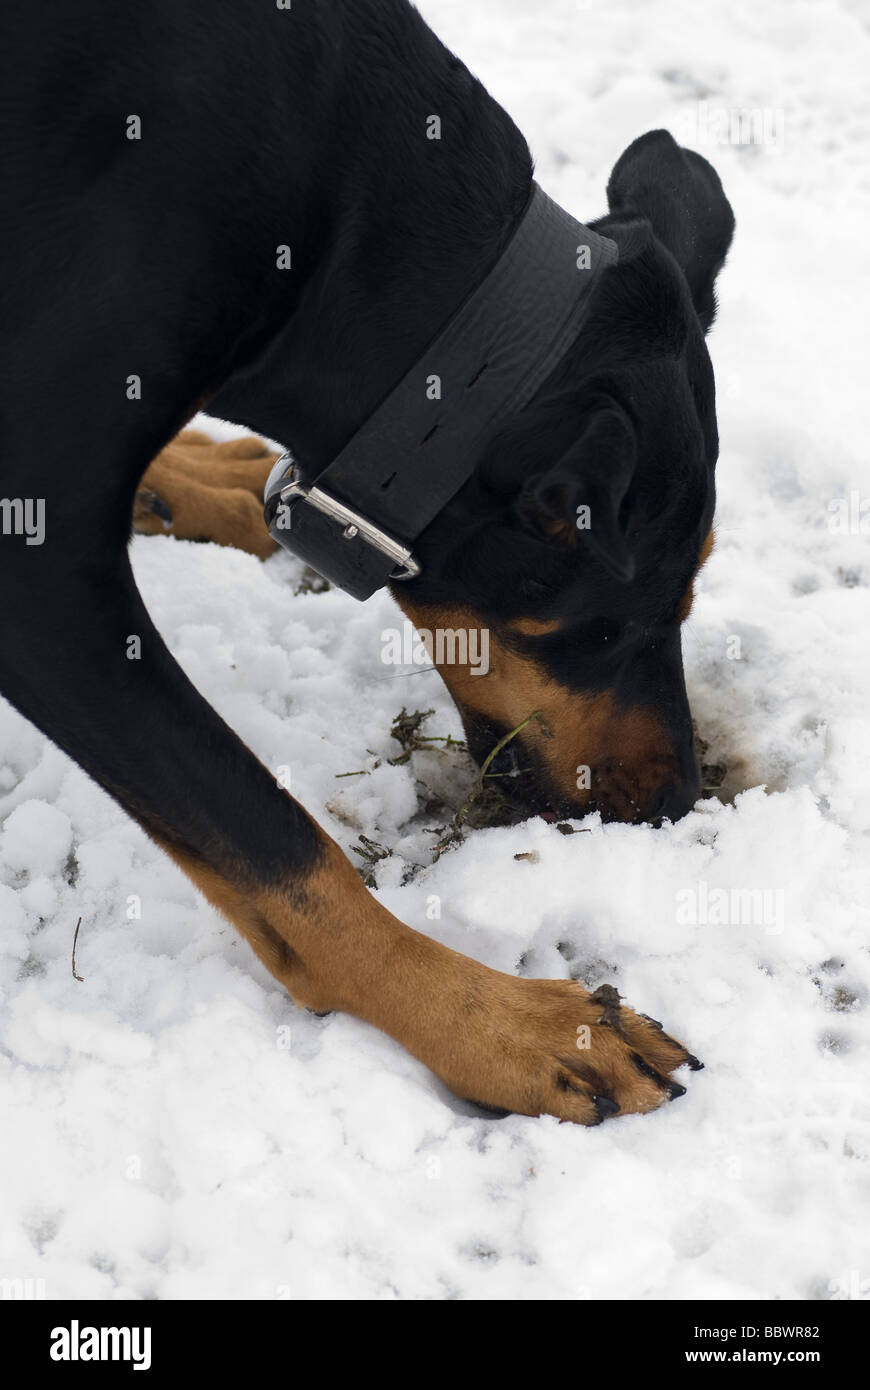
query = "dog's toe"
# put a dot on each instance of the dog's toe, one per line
(149, 509)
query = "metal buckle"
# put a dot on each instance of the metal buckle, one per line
(355, 525)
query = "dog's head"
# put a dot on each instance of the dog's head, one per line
(575, 546)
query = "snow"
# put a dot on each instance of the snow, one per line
(175, 1128)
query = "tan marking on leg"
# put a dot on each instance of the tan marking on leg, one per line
(530, 1046)
(194, 438)
(244, 463)
(688, 598)
(210, 491)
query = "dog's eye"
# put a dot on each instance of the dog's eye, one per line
(538, 589)
(600, 632)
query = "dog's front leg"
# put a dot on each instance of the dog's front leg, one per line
(532, 1046)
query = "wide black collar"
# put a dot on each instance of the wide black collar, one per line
(357, 521)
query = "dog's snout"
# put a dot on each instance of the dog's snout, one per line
(664, 790)
(656, 785)
(675, 800)
(621, 799)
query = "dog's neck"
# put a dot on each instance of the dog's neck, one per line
(412, 203)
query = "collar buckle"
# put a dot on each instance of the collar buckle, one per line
(293, 491)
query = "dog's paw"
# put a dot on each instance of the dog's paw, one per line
(555, 1049)
(199, 490)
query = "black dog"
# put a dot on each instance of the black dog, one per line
(155, 162)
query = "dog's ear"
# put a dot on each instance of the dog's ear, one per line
(680, 194)
(580, 501)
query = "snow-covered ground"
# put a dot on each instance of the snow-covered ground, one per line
(174, 1128)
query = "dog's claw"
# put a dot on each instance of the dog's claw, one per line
(605, 1107)
(150, 502)
(653, 1022)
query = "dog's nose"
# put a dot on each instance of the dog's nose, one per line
(625, 801)
(673, 802)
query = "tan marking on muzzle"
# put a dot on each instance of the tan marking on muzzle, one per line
(628, 751)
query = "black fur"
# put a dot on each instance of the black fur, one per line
(306, 127)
